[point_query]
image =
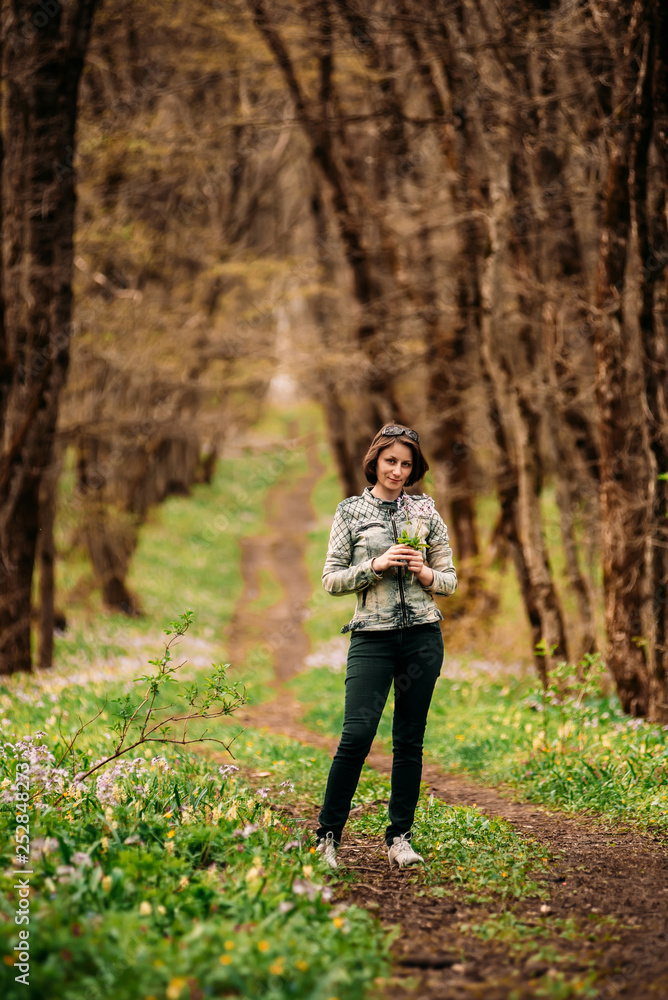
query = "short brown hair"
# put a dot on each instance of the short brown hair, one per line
(382, 441)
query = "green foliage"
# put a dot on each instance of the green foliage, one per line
(160, 876)
(188, 554)
(570, 746)
(139, 719)
(464, 849)
(414, 541)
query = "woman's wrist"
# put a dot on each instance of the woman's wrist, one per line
(426, 576)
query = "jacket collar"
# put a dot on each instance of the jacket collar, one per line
(385, 504)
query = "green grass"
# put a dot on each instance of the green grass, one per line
(327, 614)
(188, 556)
(475, 860)
(577, 753)
(172, 876)
(188, 552)
(167, 876)
(149, 899)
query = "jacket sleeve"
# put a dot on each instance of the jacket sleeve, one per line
(338, 576)
(439, 558)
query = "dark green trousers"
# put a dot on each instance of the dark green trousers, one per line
(412, 659)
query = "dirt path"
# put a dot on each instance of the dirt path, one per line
(601, 870)
(288, 513)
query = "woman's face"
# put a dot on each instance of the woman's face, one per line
(393, 466)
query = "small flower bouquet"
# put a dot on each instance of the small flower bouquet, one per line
(419, 507)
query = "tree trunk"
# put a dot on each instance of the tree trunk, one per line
(649, 214)
(514, 415)
(376, 399)
(449, 359)
(567, 496)
(508, 473)
(326, 389)
(625, 459)
(43, 58)
(47, 559)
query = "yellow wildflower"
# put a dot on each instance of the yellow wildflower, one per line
(263, 946)
(106, 883)
(145, 909)
(229, 946)
(173, 991)
(225, 959)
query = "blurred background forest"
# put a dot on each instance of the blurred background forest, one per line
(448, 214)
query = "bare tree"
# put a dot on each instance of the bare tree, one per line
(43, 53)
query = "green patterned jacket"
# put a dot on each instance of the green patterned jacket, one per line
(364, 527)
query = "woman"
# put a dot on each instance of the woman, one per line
(395, 631)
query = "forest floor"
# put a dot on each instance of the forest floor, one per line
(601, 870)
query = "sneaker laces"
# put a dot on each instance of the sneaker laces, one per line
(401, 850)
(327, 847)
(402, 843)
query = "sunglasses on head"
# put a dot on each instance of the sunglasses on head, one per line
(394, 431)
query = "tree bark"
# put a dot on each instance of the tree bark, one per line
(625, 460)
(326, 388)
(648, 208)
(43, 58)
(449, 359)
(46, 550)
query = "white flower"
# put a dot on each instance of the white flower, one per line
(227, 769)
(302, 887)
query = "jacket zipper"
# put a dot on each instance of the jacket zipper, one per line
(400, 573)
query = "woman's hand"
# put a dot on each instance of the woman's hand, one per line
(404, 555)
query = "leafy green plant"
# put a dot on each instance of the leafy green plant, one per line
(142, 719)
(169, 876)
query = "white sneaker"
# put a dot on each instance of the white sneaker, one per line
(402, 854)
(327, 848)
